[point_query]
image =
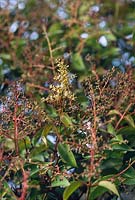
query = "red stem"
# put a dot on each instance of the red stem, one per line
(16, 129)
(25, 185)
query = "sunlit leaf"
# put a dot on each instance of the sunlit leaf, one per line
(130, 120)
(110, 186)
(114, 112)
(5, 56)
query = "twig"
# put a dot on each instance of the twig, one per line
(124, 170)
(50, 48)
(123, 115)
(24, 184)
(37, 86)
(114, 176)
(16, 128)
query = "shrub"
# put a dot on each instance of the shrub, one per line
(82, 146)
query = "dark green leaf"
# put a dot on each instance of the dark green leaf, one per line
(128, 133)
(111, 163)
(130, 173)
(122, 147)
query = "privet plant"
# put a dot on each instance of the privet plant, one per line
(62, 148)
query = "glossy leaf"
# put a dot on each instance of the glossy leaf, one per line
(70, 189)
(66, 154)
(97, 192)
(110, 186)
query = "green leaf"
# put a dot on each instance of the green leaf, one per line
(38, 150)
(114, 112)
(130, 181)
(112, 51)
(66, 120)
(25, 143)
(111, 163)
(77, 62)
(128, 133)
(8, 191)
(5, 56)
(127, 130)
(51, 111)
(9, 144)
(110, 186)
(71, 188)
(97, 192)
(47, 129)
(130, 120)
(44, 140)
(130, 173)
(60, 181)
(55, 28)
(34, 170)
(66, 154)
(122, 147)
(110, 36)
(111, 129)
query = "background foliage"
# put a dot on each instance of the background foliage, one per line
(67, 127)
